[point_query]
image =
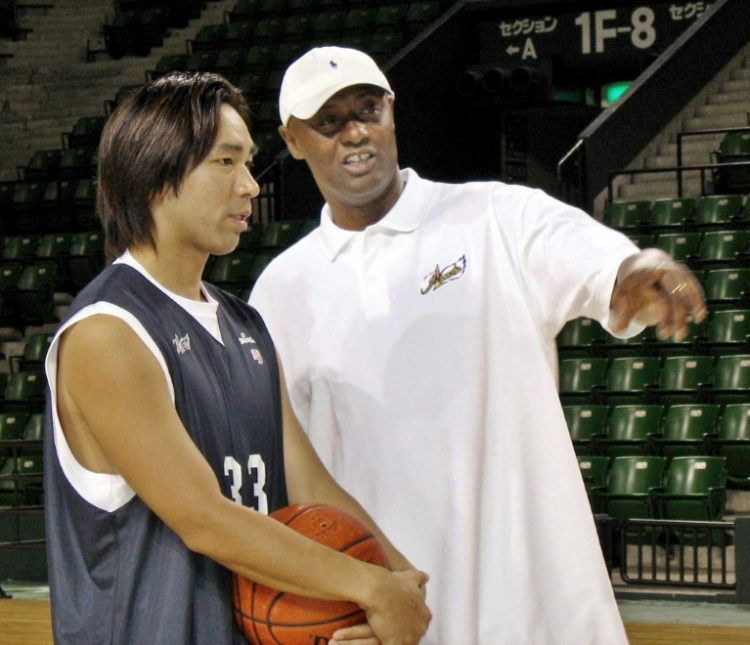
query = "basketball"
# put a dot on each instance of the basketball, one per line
(270, 616)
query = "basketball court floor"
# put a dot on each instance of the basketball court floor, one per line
(24, 620)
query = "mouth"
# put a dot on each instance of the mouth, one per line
(358, 161)
(241, 219)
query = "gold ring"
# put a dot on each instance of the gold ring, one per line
(679, 287)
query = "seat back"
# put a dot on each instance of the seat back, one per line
(672, 212)
(685, 372)
(718, 209)
(626, 215)
(727, 285)
(632, 373)
(579, 375)
(584, 422)
(729, 326)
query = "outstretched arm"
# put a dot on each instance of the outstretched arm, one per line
(652, 289)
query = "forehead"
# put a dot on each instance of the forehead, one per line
(233, 130)
(352, 93)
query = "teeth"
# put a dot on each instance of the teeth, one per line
(358, 158)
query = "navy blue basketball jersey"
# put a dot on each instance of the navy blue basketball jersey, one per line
(122, 576)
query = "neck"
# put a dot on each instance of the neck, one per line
(176, 273)
(357, 217)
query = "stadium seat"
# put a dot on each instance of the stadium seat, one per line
(34, 293)
(209, 38)
(694, 489)
(420, 14)
(578, 337)
(629, 430)
(86, 132)
(628, 377)
(671, 213)
(727, 286)
(230, 272)
(280, 234)
(627, 215)
(86, 257)
(729, 329)
(11, 428)
(632, 485)
(584, 423)
(734, 148)
(682, 378)
(731, 381)
(33, 435)
(686, 430)
(732, 441)
(594, 472)
(681, 246)
(718, 210)
(24, 392)
(359, 20)
(634, 346)
(20, 249)
(42, 165)
(727, 246)
(27, 207)
(76, 163)
(34, 353)
(578, 376)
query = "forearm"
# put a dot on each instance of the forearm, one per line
(264, 550)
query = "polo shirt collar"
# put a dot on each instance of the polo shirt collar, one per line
(404, 217)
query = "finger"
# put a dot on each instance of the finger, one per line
(683, 302)
(358, 634)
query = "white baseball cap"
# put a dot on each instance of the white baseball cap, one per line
(317, 75)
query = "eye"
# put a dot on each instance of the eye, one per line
(226, 161)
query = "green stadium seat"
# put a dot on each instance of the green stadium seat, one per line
(34, 293)
(727, 286)
(24, 392)
(731, 380)
(681, 378)
(86, 132)
(578, 376)
(629, 430)
(681, 246)
(20, 248)
(686, 430)
(594, 472)
(209, 38)
(628, 377)
(627, 215)
(633, 482)
(585, 422)
(634, 346)
(34, 352)
(86, 257)
(578, 337)
(732, 441)
(11, 428)
(718, 210)
(694, 489)
(280, 233)
(729, 329)
(734, 148)
(42, 165)
(727, 246)
(231, 272)
(672, 213)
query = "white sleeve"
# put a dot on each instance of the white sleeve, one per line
(569, 261)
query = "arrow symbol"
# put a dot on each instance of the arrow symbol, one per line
(512, 50)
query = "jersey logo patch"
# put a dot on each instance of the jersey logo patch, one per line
(255, 353)
(182, 344)
(438, 277)
(244, 340)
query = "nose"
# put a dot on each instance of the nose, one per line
(247, 184)
(355, 132)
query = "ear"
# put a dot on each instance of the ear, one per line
(291, 142)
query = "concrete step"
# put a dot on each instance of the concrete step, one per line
(691, 146)
(730, 97)
(659, 189)
(738, 85)
(743, 73)
(740, 108)
(717, 121)
(670, 161)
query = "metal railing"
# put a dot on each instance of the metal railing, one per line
(677, 553)
(703, 168)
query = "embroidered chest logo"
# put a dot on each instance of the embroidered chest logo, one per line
(182, 344)
(254, 351)
(433, 281)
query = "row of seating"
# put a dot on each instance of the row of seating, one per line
(21, 480)
(47, 206)
(688, 212)
(683, 488)
(724, 329)
(685, 429)
(729, 247)
(651, 379)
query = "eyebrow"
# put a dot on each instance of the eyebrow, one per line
(235, 147)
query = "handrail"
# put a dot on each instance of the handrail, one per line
(677, 169)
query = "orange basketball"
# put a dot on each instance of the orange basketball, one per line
(270, 616)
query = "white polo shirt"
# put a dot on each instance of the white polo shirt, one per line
(419, 354)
